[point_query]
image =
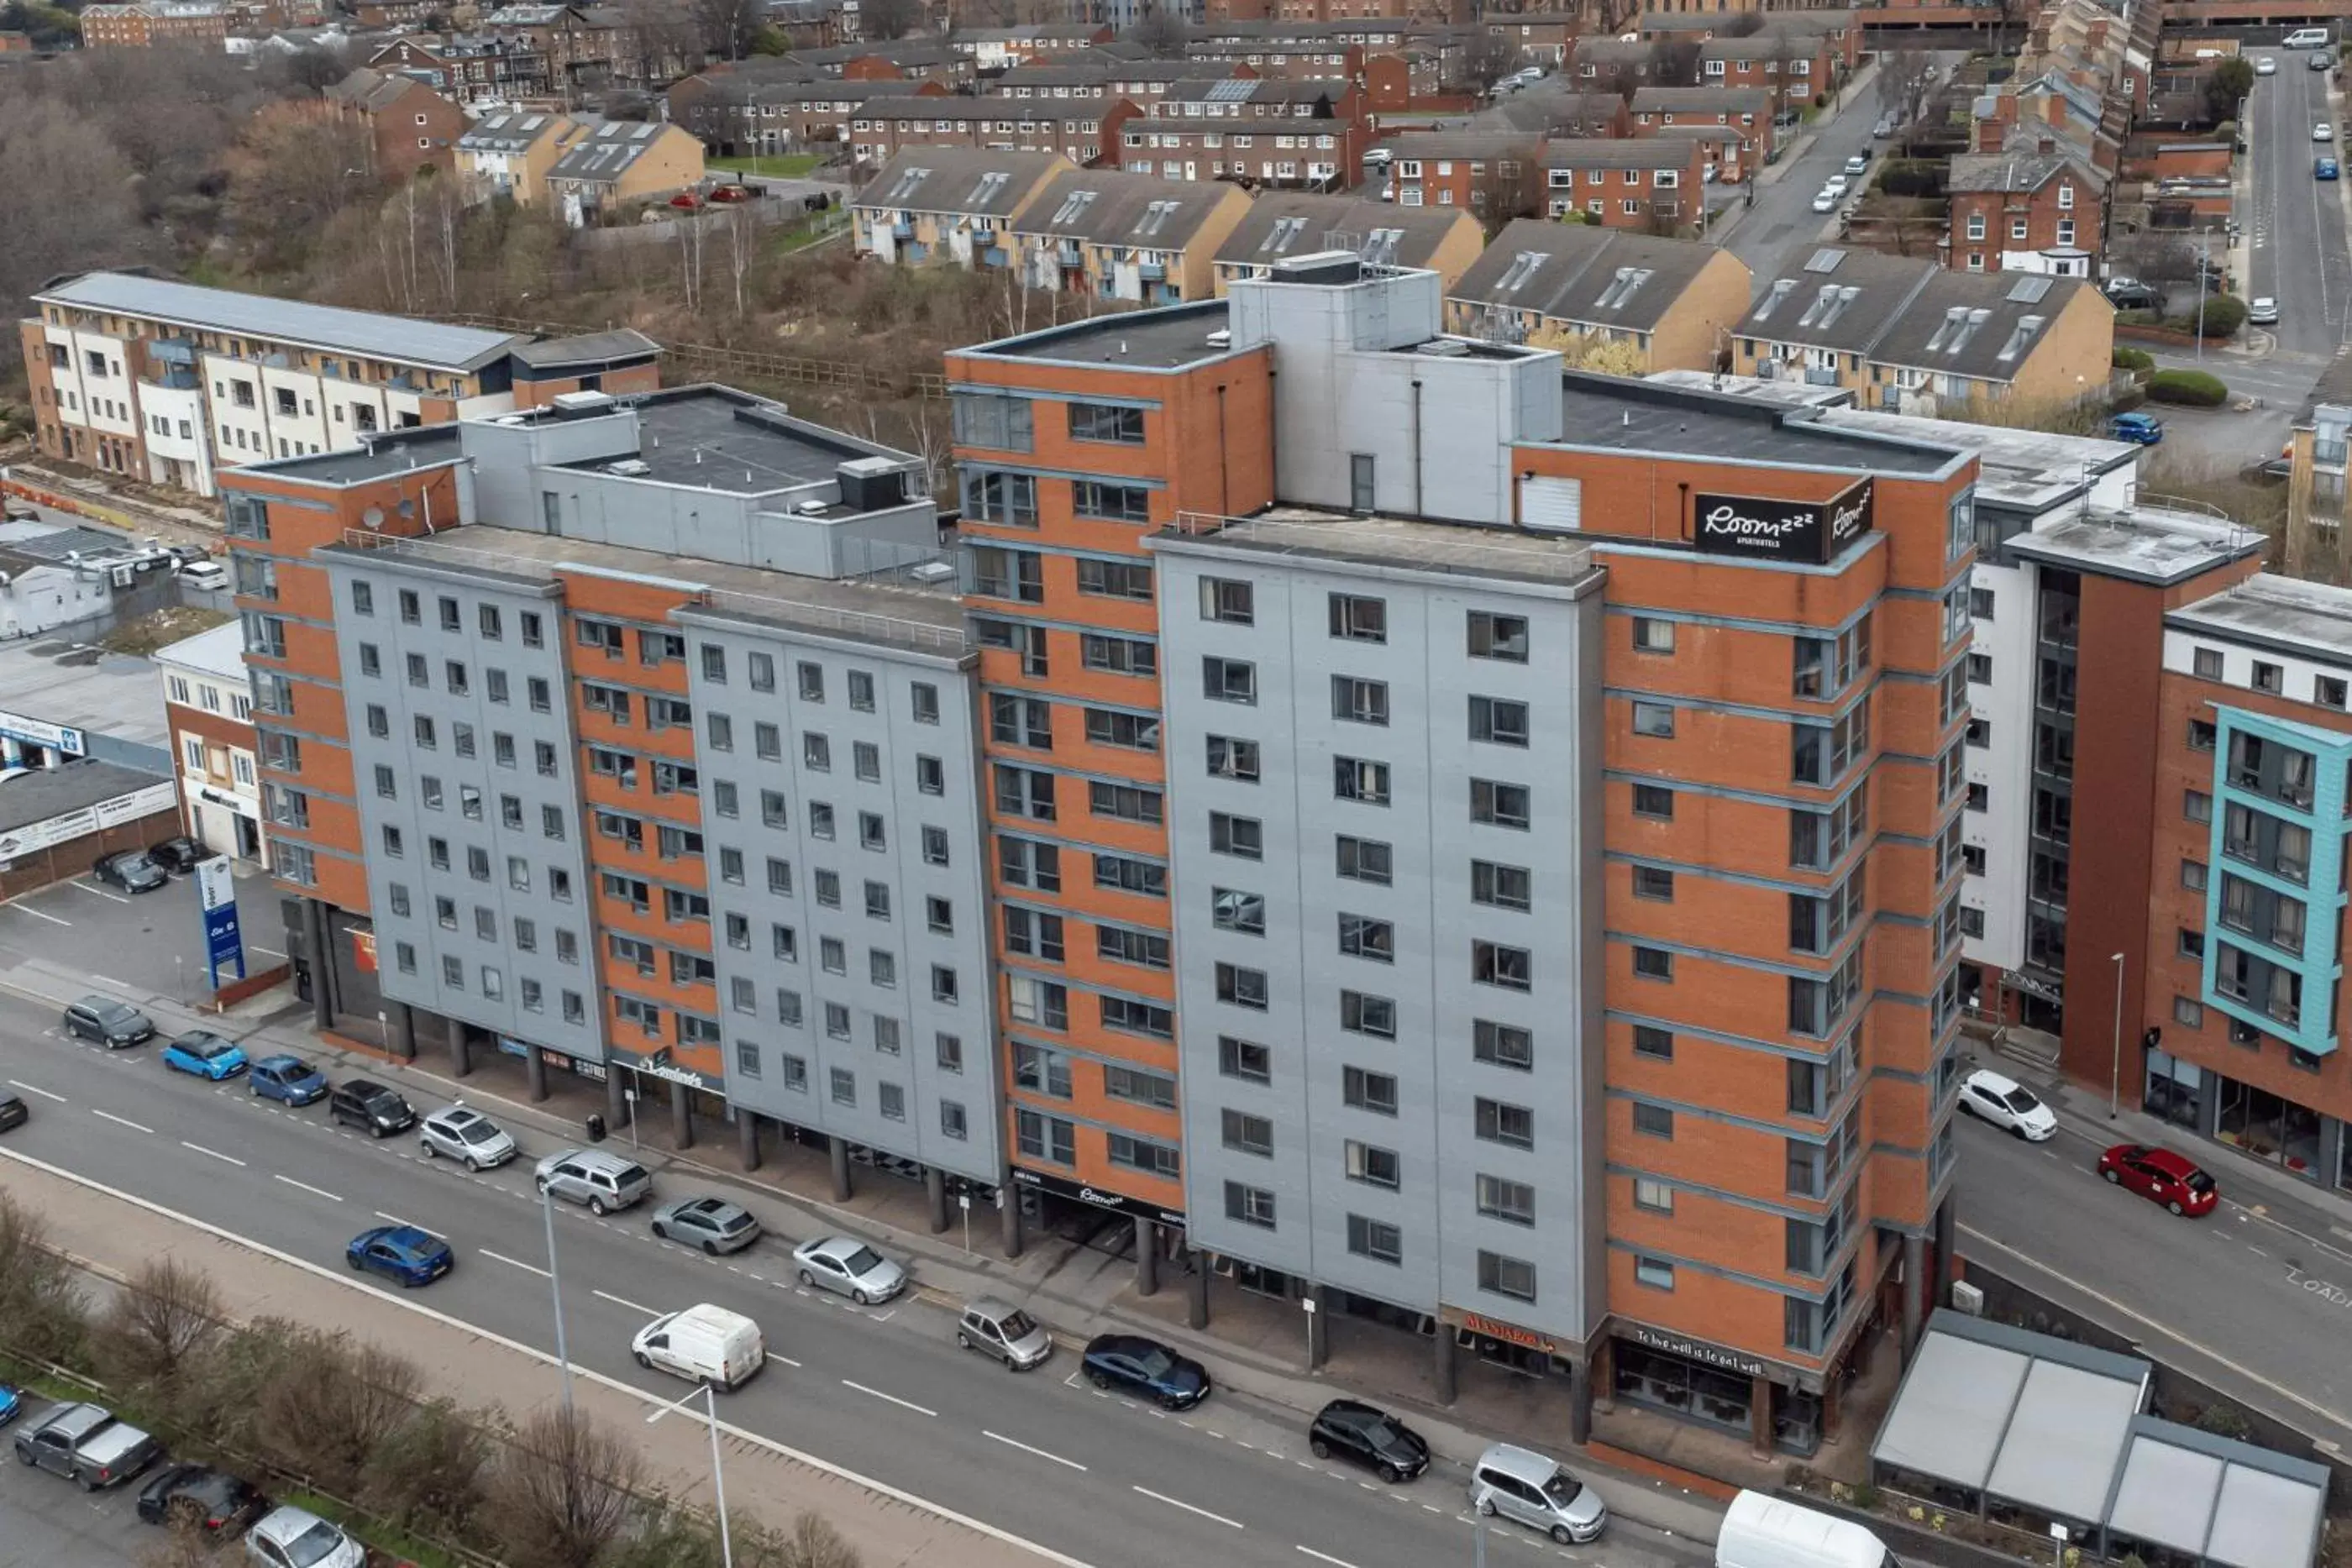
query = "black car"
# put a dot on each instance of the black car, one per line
(200, 1496)
(1364, 1435)
(1145, 1367)
(180, 854)
(12, 1111)
(106, 1022)
(131, 870)
(366, 1104)
(2134, 296)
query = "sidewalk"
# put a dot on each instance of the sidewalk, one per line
(1255, 1346)
(478, 1371)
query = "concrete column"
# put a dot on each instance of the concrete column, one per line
(534, 1072)
(1948, 1241)
(1604, 1356)
(1441, 1365)
(841, 1188)
(617, 1099)
(681, 1115)
(1579, 1402)
(1832, 1409)
(328, 967)
(1759, 1416)
(935, 1191)
(747, 1137)
(1196, 1292)
(1915, 1289)
(314, 939)
(1318, 1333)
(1147, 1257)
(403, 1030)
(461, 1059)
(1008, 1218)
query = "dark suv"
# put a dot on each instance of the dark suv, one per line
(370, 1106)
(131, 870)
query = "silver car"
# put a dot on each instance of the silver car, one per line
(712, 1224)
(602, 1181)
(1004, 1331)
(295, 1538)
(468, 1136)
(850, 1268)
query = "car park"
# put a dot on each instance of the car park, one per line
(2139, 429)
(604, 1182)
(2009, 1105)
(1004, 1331)
(2162, 1178)
(288, 1079)
(297, 1538)
(201, 1498)
(180, 854)
(1368, 1435)
(86, 1444)
(368, 1105)
(1523, 1485)
(468, 1136)
(205, 1054)
(104, 1021)
(131, 870)
(403, 1253)
(848, 1266)
(2323, 169)
(712, 1224)
(2263, 310)
(13, 1111)
(704, 1343)
(1134, 1365)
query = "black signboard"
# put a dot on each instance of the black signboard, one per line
(1811, 531)
(1118, 1203)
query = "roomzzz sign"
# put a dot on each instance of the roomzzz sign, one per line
(1813, 532)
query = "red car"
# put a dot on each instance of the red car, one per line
(2160, 1177)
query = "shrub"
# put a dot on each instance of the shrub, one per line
(2192, 389)
(2223, 1422)
(2139, 360)
(2224, 314)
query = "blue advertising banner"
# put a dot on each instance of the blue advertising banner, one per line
(224, 942)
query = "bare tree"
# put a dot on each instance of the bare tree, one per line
(333, 1403)
(884, 20)
(1673, 61)
(813, 1543)
(563, 1490)
(1903, 79)
(432, 1471)
(166, 1315)
(1741, 24)
(729, 27)
(186, 1545)
(1160, 28)
(293, 170)
(1490, 57)
(40, 1304)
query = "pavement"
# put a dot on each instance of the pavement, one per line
(45, 1523)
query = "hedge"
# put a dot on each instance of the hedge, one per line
(2224, 314)
(2139, 360)
(2192, 389)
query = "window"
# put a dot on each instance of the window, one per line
(1113, 503)
(1222, 599)
(1353, 778)
(1368, 1090)
(1095, 421)
(1363, 938)
(1372, 1166)
(1123, 803)
(1507, 1276)
(1241, 986)
(1375, 1238)
(1357, 619)
(1513, 1202)
(1115, 578)
(1244, 837)
(1228, 680)
(1654, 883)
(1653, 1121)
(1498, 722)
(1249, 1205)
(1232, 759)
(1503, 637)
(1656, 1273)
(1247, 1135)
(1655, 1195)
(1499, 805)
(1654, 800)
(1355, 701)
(1502, 1045)
(1498, 1122)
(1655, 720)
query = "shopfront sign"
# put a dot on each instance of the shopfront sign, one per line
(1698, 1350)
(51, 831)
(41, 732)
(1812, 532)
(1117, 1203)
(1495, 1328)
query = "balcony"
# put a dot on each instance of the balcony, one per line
(1817, 376)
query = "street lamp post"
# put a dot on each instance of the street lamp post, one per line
(2116, 1066)
(555, 1284)
(718, 1472)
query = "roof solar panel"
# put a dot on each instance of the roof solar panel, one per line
(2029, 289)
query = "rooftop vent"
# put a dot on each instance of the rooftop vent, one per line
(1221, 339)
(629, 467)
(580, 404)
(1443, 348)
(933, 572)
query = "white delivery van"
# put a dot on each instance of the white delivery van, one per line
(703, 1344)
(2307, 38)
(1762, 1532)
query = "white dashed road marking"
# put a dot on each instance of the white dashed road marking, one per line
(1014, 1443)
(306, 1186)
(624, 1301)
(123, 1121)
(29, 1088)
(1188, 1508)
(515, 1264)
(892, 1398)
(213, 1154)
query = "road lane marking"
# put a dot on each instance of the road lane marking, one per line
(111, 984)
(1326, 1557)
(624, 1301)
(123, 1121)
(1015, 1443)
(213, 1154)
(1188, 1508)
(28, 909)
(31, 1089)
(306, 1186)
(515, 1262)
(99, 891)
(907, 1404)
(390, 1219)
(787, 1359)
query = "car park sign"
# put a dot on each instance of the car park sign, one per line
(224, 943)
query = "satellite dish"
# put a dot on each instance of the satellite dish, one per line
(372, 516)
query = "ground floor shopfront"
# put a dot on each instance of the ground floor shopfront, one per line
(2254, 1121)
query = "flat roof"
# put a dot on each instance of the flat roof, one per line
(46, 792)
(1163, 340)
(2063, 1440)
(2276, 611)
(392, 452)
(215, 651)
(1411, 544)
(1636, 415)
(897, 612)
(716, 438)
(2145, 544)
(2215, 1498)
(82, 687)
(587, 349)
(402, 339)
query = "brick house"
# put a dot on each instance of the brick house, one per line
(1745, 109)
(154, 24)
(1115, 235)
(1543, 37)
(1000, 49)
(948, 205)
(1643, 183)
(410, 126)
(509, 154)
(1498, 176)
(1793, 69)
(1100, 75)
(1084, 133)
(2026, 211)
(1674, 299)
(1299, 135)
(1287, 224)
(736, 114)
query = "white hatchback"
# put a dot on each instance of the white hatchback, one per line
(2008, 1104)
(2323, 131)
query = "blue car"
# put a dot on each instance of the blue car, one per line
(400, 1252)
(205, 1054)
(1145, 1367)
(289, 1078)
(2140, 429)
(2323, 169)
(12, 1403)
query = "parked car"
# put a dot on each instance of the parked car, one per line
(1824, 200)
(200, 1497)
(2266, 66)
(2323, 131)
(468, 1136)
(2323, 60)
(207, 575)
(180, 854)
(131, 870)
(1523, 1485)
(207, 1055)
(366, 1104)
(400, 1252)
(713, 1223)
(1763, 1531)
(602, 1181)
(2323, 169)
(1858, 164)
(705, 1344)
(2160, 1177)
(1836, 184)
(287, 1078)
(1368, 1435)
(2140, 429)
(105, 1021)
(2263, 310)
(297, 1538)
(1004, 1331)
(1884, 128)
(1145, 1367)
(13, 1111)
(848, 1266)
(88, 1444)
(2008, 1104)
(12, 1403)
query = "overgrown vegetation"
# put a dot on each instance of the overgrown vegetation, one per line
(2191, 389)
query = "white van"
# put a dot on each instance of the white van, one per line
(2307, 38)
(1762, 1532)
(704, 1345)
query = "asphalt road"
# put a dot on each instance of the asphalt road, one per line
(46, 1522)
(2255, 1298)
(882, 1391)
